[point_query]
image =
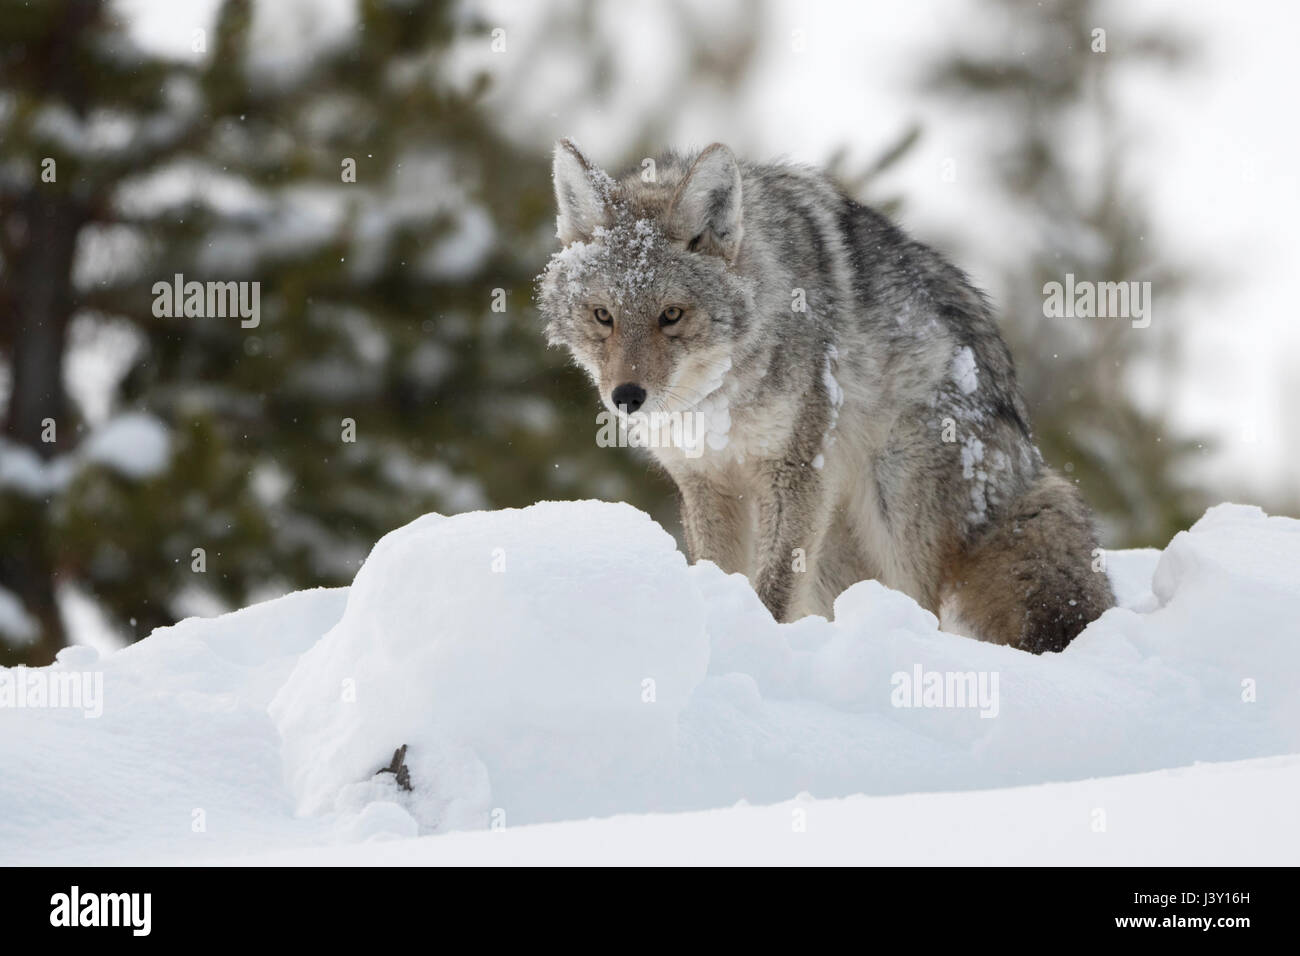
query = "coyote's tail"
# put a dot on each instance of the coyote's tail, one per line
(1032, 580)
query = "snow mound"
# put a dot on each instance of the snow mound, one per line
(556, 645)
(563, 661)
(182, 760)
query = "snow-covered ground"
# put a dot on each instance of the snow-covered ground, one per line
(562, 662)
(1243, 812)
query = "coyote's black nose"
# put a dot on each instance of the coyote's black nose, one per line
(630, 395)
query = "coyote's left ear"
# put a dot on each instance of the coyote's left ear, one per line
(706, 208)
(579, 199)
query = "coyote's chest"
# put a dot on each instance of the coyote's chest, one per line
(733, 438)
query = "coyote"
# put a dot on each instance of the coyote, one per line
(855, 411)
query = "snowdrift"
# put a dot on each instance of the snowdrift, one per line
(517, 639)
(564, 661)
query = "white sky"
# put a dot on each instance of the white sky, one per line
(1217, 156)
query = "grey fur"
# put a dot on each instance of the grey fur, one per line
(878, 434)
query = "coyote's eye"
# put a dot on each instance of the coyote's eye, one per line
(603, 316)
(669, 315)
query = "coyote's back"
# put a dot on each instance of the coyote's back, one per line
(831, 398)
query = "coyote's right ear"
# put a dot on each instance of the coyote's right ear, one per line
(581, 193)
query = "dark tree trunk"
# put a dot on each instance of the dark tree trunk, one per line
(40, 242)
(42, 300)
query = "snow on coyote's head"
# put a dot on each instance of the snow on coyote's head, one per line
(644, 294)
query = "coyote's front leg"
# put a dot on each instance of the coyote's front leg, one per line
(714, 519)
(791, 518)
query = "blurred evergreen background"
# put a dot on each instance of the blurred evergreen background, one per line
(223, 160)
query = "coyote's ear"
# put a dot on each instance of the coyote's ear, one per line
(706, 208)
(581, 193)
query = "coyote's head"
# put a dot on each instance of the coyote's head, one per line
(644, 294)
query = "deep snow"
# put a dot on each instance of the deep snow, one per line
(563, 661)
